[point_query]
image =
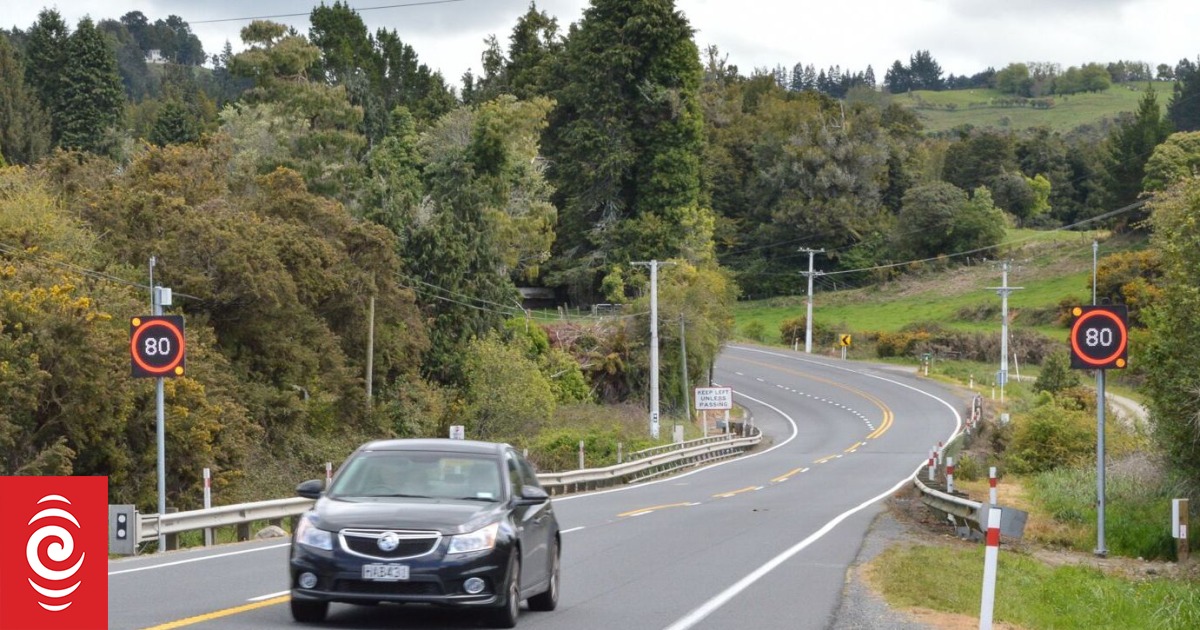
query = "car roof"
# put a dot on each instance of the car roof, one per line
(436, 444)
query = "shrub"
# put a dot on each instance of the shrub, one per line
(795, 329)
(754, 330)
(1050, 436)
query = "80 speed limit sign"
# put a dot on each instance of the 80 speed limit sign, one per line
(156, 345)
(1100, 337)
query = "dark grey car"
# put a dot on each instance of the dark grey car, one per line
(446, 522)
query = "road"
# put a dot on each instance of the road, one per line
(763, 541)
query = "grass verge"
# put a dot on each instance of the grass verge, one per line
(1030, 593)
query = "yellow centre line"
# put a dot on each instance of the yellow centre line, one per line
(854, 447)
(726, 495)
(827, 458)
(888, 416)
(647, 510)
(222, 613)
(787, 475)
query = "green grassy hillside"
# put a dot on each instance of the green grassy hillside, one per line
(1051, 266)
(1067, 113)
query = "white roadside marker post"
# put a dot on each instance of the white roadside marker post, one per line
(990, 556)
(992, 486)
(932, 465)
(949, 475)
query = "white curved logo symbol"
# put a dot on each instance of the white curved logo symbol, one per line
(59, 551)
(389, 541)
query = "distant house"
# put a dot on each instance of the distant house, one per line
(154, 55)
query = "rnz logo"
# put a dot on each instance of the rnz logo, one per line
(59, 551)
(53, 553)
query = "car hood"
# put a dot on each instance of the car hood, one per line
(445, 516)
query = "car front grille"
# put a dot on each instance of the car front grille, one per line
(362, 587)
(409, 544)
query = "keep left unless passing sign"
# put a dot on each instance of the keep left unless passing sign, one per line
(714, 398)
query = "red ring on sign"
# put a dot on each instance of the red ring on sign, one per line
(1120, 327)
(137, 333)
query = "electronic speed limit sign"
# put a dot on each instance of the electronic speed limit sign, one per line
(156, 345)
(1100, 337)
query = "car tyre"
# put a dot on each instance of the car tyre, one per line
(547, 600)
(309, 611)
(506, 615)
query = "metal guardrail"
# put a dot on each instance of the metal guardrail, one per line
(970, 517)
(659, 461)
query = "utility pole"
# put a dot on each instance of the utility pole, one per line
(687, 411)
(653, 265)
(1003, 291)
(808, 318)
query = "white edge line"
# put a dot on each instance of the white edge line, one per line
(191, 560)
(573, 529)
(262, 598)
(707, 608)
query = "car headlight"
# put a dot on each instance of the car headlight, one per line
(309, 534)
(478, 540)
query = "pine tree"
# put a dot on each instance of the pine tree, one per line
(24, 123)
(1184, 109)
(45, 56)
(91, 100)
(174, 125)
(626, 139)
(1128, 148)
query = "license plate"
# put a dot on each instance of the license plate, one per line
(385, 572)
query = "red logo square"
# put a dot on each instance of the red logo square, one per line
(54, 553)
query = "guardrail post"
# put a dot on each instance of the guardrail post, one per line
(328, 474)
(990, 558)
(243, 532)
(619, 446)
(170, 541)
(992, 485)
(949, 475)
(581, 466)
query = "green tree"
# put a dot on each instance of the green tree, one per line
(506, 395)
(1095, 77)
(939, 219)
(1056, 374)
(1014, 79)
(24, 124)
(1177, 158)
(174, 125)
(1128, 148)
(1172, 382)
(45, 56)
(978, 157)
(1184, 108)
(625, 141)
(533, 48)
(925, 71)
(90, 102)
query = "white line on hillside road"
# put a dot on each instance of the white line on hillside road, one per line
(191, 560)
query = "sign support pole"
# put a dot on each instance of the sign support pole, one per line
(1101, 549)
(160, 423)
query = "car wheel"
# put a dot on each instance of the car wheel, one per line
(308, 611)
(506, 615)
(547, 600)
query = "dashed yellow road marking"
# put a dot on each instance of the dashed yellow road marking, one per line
(221, 613)
(647, 510)
(787, 475)
(726, 495)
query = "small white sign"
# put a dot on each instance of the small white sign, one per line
(714, 398)
(458, 432)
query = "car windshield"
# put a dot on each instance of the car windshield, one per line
(419, 474)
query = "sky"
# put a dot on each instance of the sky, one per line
(964, 36)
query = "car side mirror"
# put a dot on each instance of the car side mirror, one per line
(311, 489)
(533, 495)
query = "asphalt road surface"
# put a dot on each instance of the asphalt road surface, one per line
(763, 541)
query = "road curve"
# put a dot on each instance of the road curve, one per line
(763, 541)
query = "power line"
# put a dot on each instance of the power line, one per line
(287, 15)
